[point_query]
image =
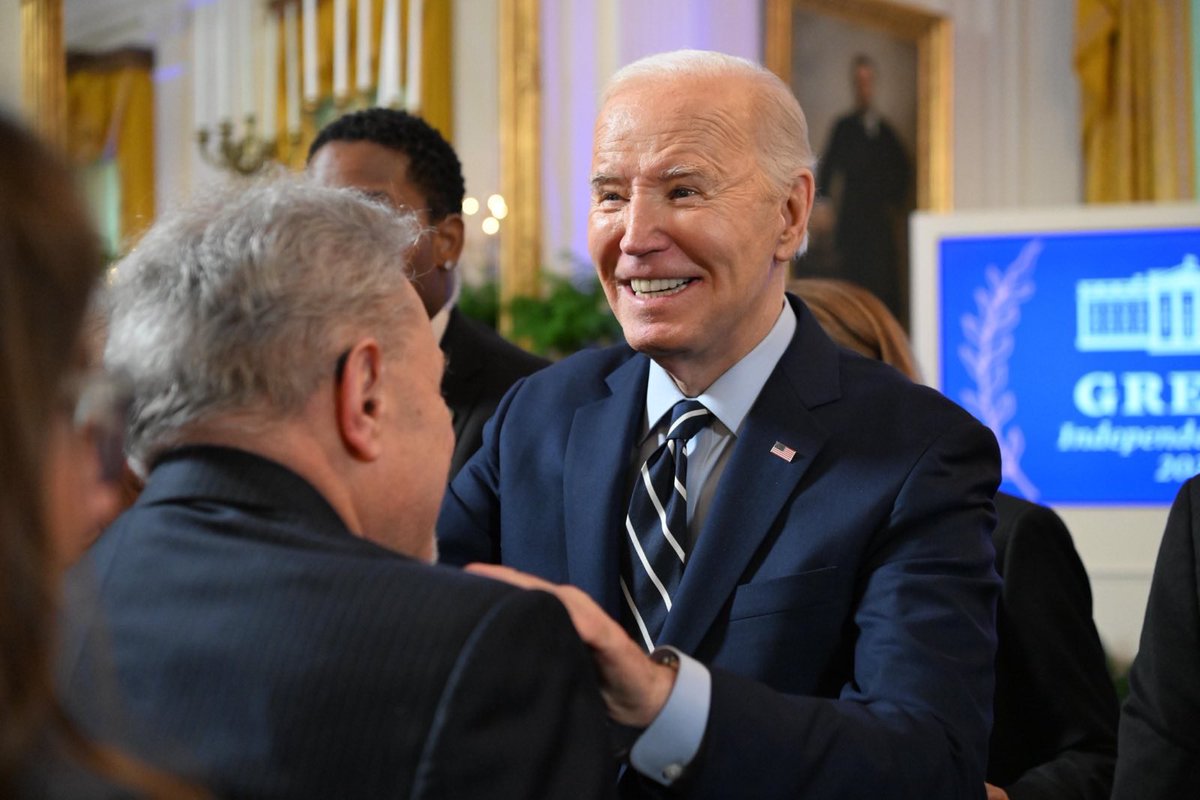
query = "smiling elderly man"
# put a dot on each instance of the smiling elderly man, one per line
(796, 539)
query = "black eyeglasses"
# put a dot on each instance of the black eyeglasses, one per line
(99, 403)
(339, 367)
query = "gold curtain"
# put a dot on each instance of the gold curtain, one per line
(43, 69)
(437, 67)
(110, 118)
(1133, 58)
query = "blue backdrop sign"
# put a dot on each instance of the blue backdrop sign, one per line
(1080, 352)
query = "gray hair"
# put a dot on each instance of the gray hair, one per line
(241, 302)
(782, 131)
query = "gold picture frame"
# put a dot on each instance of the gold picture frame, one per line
(520, 149)
(932, 34)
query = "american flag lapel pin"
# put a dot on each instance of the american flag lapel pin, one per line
(783, 451)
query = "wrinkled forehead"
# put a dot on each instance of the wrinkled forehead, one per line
(707, 115)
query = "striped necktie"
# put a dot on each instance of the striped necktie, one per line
(656, 527)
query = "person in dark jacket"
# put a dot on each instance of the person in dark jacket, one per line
(401, 159)
(266, 614)
(1159, 752)
(1054, 732)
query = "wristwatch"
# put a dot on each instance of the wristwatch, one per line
(667, 656)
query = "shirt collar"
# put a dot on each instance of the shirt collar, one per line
(870, 122)
(731, 395)
(441, 319)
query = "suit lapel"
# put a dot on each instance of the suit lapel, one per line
(596, 467)
(756, 483)
(462, 362)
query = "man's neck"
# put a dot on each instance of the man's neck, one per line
(692, 382)
(289, 442)
(694, 375)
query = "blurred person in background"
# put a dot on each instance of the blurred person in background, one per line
(1054, 733)
(1159, 752)
(401, 160)
(59, 432)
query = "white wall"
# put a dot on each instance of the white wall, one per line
(477, 118)
(1118, 547)
(1016, 103)
(586, 41)
(176, 156)
(571, 76)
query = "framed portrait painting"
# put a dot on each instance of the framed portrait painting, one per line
(873, 77)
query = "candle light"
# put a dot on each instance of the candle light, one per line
(270, 54)
(311, 92)
(412, 93)
(389, 55)
(363, 42)
(201, 70)
(341, 48)
(291, 47)
(224, 76)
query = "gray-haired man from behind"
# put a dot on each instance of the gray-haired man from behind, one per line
(268, 607)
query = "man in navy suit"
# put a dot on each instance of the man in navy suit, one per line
(265, 618)
(822, 622)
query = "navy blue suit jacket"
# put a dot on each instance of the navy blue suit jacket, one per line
(844, 600)
(250, 640)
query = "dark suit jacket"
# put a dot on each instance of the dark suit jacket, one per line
(845, 600)
(875, 175)
(1159, 750)
(480, 366)
(1055, 731)
(55, 774)
(259, 645)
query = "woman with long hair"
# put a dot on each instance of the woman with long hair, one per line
(53, 449)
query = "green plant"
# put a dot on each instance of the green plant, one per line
(567, 318)
(480, 301)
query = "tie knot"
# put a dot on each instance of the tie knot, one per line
(688, 417)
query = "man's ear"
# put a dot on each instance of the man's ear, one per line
(358, 400)
(795, 208)
(448, 240)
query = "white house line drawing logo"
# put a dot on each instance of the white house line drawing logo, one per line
(985, 353)
(1157, 311)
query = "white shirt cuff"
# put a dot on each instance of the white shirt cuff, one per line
(668, 745)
